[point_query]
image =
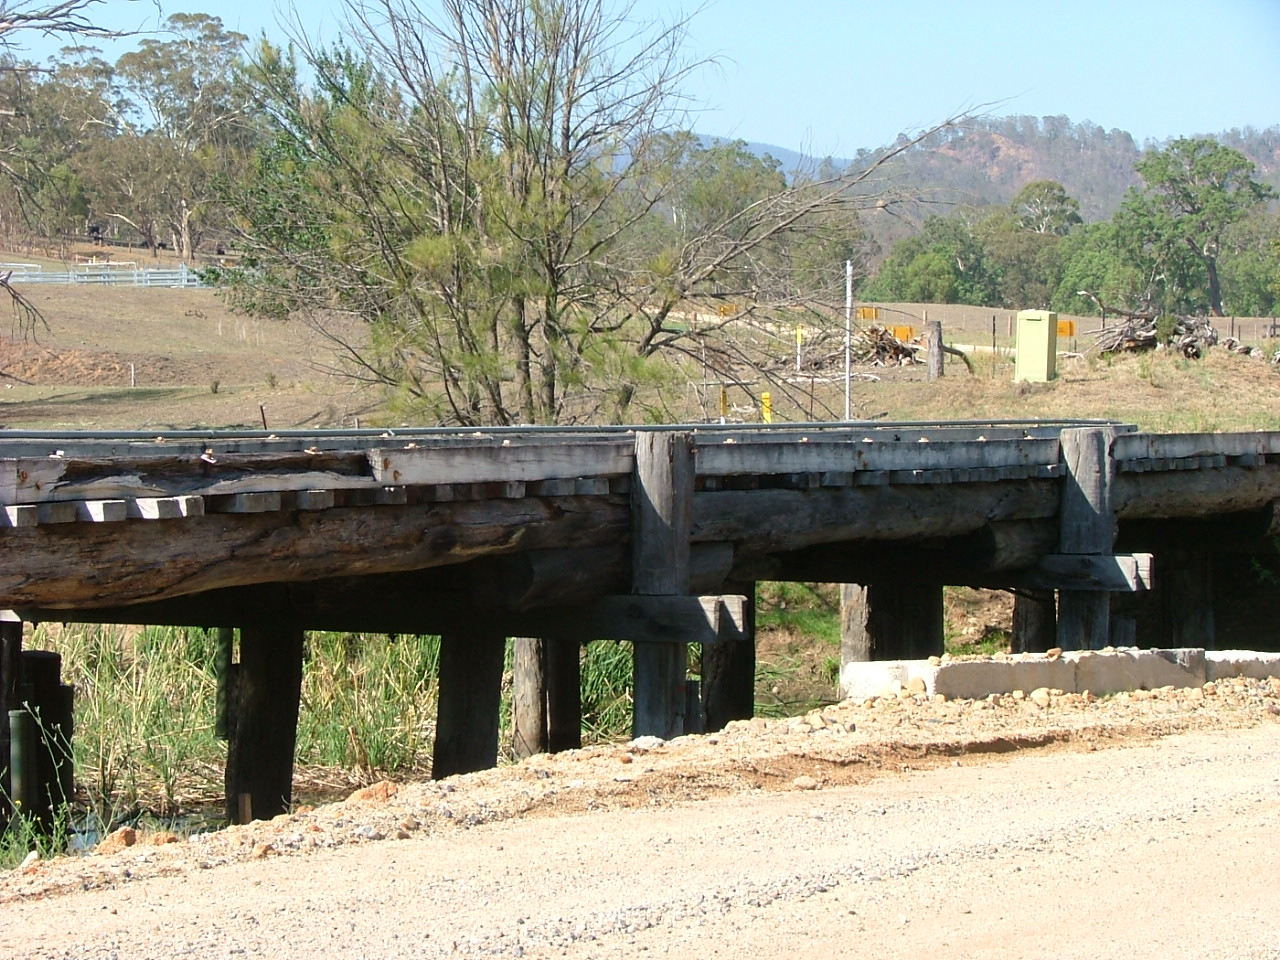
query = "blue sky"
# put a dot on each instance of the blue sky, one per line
(829, 77)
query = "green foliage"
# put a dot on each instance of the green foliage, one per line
(23, 836)
(1044, 207)
(368, 702)
(145, 710)
(945, 263)
(606, 690)
(1196, 189)
(811, 609)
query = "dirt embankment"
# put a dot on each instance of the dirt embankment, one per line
(379, 874)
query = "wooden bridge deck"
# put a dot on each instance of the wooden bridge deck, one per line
(646, 534)
(111, 522)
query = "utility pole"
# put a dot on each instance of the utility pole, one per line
(848, 335)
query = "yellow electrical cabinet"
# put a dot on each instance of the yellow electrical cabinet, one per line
(1037, 346)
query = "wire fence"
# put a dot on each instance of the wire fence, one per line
(123, 273)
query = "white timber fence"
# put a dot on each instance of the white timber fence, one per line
(127, 273)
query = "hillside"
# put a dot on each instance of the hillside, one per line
(988, 160)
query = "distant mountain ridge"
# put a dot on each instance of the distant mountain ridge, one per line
(987, 161)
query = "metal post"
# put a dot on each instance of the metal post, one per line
(848, 335)
(23, 777)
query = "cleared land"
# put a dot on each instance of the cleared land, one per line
(142, 358)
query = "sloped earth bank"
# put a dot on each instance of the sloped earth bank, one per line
(1144, 824)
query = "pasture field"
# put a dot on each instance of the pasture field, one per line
(143, 358)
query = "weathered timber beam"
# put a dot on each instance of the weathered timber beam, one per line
(10, 668)
(729, 671)
(53, 479)
(661, 517)
(546, 695)
(966, 560)
(422, 603)
(1087, 525)
(544, 578)
(890, 621)
(1119, 573)
(818, 455)
(561, 459)
(467, 712)
(1247, 532)
(1158, 446)
(259, 771)
(1195, 493)
(670, 619)
(766, 521)
(95, 564)
(1035, 621)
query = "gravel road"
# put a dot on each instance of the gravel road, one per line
(1144, 827)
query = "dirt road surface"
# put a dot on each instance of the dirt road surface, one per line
(1140, 826)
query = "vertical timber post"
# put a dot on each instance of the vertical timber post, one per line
(470, 701)
(546, 696)
(224, 673)
(10, 667)
(729, 670)
(259, 780)
(890, 621)
(1087, 526)
(1035, 621)
(1185, 581)
(51, 706)
(529, 733)
(662, 516)
(933, 336)
(564, 693)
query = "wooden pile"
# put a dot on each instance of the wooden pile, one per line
(1191, 336)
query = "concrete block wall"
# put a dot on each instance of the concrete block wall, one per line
(1101, 672)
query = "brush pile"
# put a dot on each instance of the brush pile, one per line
(877, 347)
(1191, 336)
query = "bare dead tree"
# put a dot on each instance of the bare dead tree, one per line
(66, 18)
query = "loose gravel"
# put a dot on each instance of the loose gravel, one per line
(1018, 825)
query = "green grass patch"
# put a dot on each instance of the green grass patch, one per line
(811, 609)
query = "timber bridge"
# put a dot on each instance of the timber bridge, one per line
(559, 536)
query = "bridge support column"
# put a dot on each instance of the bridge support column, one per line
(890, 621)
(470, 701)
(264, 728)
(729, 670)
(547, 695)
(1184, 580)
(1088, 526)
(662, 516)
(1035, 621)
(10, 666)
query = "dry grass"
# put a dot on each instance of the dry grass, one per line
(197, 364)
(193, 362)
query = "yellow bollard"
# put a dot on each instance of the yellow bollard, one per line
(766, 406)
(724, 403)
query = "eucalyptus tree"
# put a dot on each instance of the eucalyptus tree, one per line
(1178, 225)
(187, 127)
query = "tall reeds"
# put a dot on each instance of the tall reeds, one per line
(145, 708)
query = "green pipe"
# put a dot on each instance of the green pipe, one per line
(24, 778)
